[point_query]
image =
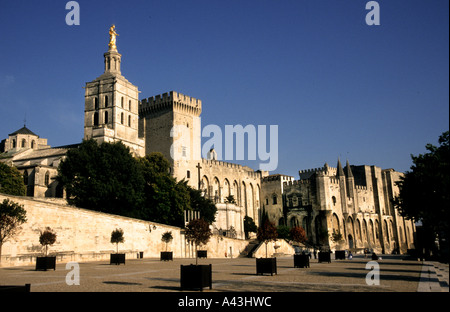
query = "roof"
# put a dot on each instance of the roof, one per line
(23, 130)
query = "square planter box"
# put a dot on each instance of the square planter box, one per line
(202, 253)
(166, 256)
(324, 256)
(339, 254)
(45, 263)
(15, 288)
(117, 259)
(196, 276)
(266, 265)
(301, 261)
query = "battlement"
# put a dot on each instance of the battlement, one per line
(334, 180)
(170, 101)
(218, 163)
(277, 177)
(297, 182)
(325, 170)
(361, 187)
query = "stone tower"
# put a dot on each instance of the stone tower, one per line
(171, 125)
(111, 105)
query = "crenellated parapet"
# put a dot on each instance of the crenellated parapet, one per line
(297, 182)
(170, 101)
(235, 167)
(326, 170)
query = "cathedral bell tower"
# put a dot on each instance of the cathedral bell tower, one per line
(111, 104)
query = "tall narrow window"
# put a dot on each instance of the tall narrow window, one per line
(121, 118)
(121, 102)
(24, 142)
(106, 117)
(129, 120)
(25, 177)
(33, 144)
(106, 101)
(129, 105)
(95, 119)
(47, 178)
(96, 103)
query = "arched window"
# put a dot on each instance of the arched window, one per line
(334, 200)
(129, 105)
(121, 118)
(13, 143)
(33, 144)
(121, 102)
(129, 120)
(24, 142)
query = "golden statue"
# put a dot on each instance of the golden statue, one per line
(112, 38)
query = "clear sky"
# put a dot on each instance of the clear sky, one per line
(335, 86)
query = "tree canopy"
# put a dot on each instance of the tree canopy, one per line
(108, 178)
(11, 181)
(12, 215)
(424, 194)
(102, 177)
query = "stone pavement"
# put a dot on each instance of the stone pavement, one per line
(434, 277)
(236, 275)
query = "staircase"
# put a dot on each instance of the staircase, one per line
(251, 247)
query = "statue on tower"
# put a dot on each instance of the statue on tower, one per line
(112, 38)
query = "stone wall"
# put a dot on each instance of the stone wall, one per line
(84, 235)
(278, 248)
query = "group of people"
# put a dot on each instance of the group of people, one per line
(349, 256)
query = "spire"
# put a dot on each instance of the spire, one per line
(348, 170)
(340, 171)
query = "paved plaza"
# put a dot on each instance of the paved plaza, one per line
(237, 275)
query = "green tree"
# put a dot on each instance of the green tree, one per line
(167, 238)
(206, 206)
(117, 238)
(283, 232)
(12, 215)
(249, 226)
(103, 177)
(47, 238)
(165, 199)
(230, 199)
(424, 194)
(11, 181)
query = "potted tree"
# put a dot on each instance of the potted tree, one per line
(298, 235)
(167, 255)
(117, 238)
(197, 276)
(267, 233)
(46, 238)
(338, 239)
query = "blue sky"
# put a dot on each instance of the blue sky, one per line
(335, 86)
